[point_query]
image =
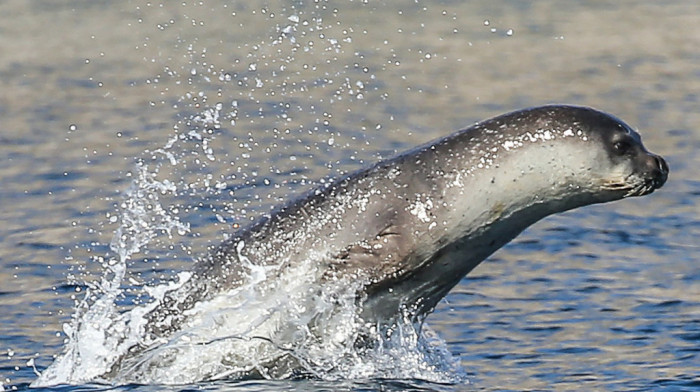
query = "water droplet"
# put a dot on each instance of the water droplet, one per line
(72, 127)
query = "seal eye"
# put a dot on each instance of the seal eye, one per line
(622, 147)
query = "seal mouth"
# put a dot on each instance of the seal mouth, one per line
(629, 188)
(644, 188)
(635, 186)
(653, 177)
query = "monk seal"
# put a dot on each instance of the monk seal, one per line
(411, 227)
(391, 239)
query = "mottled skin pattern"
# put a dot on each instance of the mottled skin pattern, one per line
(412, 226)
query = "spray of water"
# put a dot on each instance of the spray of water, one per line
(280, 322)
(98, 333)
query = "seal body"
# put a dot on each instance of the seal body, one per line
(412, 226)
(334, 275)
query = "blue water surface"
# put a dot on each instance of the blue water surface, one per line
(602, 298)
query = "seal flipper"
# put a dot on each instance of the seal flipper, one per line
(383, 256)
(382, 262)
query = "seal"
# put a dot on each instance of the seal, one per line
(334, 275)
(411, 227)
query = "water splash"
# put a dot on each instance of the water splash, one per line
(98, 334)
(279, 323)
(287, 326)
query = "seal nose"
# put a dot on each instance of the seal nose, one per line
(660, 171)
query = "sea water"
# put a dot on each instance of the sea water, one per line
(158, 129)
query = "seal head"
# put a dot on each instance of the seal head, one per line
(646, 172)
